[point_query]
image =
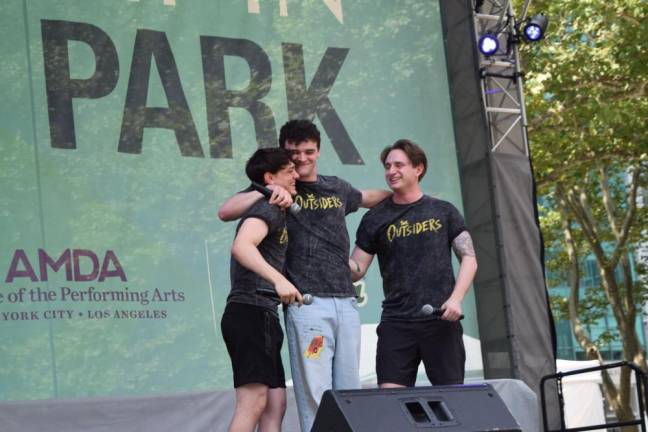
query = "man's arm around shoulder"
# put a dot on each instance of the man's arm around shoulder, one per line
(371, 197)
(235, 206)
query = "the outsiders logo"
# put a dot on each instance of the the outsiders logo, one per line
(312, 202)
(284, 236)
(406, 229)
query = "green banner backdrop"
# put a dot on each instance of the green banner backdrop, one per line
(125, 124)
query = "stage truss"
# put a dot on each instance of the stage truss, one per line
(501, 77)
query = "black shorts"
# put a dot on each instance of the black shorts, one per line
(403, 344)
(253, 337)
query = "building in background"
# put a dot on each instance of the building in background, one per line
(568, 347)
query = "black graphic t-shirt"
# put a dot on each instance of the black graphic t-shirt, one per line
(413, 243)
(247, 286)
(317, 260)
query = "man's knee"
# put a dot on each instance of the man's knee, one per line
(252, 397)
(276, 403)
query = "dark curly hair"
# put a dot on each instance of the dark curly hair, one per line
(266, 160)
(296, 131)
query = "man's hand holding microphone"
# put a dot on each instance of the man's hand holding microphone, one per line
(278, 196)
(287, 292)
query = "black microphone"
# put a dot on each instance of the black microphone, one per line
(428, 310)
(294, 207)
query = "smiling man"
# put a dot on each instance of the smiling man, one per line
(250, 323)
(324, 338)
(412, 234)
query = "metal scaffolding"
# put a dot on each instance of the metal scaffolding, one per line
(501, 77)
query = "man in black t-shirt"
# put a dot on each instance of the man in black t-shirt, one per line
(250, 323)
(412, 234)
(323, 338)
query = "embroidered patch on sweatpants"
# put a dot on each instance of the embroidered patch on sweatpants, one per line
(315, 348)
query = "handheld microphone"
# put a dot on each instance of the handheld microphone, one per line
(306, 298)
(428, 310)
(294, 207)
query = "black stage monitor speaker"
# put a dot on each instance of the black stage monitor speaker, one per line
(445, 408)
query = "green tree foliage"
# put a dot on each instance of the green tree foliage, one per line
(587, 111)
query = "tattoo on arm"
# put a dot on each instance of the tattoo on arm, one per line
(462, 245)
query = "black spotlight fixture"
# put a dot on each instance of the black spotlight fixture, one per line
(534, 29)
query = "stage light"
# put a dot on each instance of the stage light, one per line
(534, 30)
(488, 44)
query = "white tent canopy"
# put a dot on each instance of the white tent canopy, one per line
(582, 394)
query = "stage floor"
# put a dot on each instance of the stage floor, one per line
(188, 412)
